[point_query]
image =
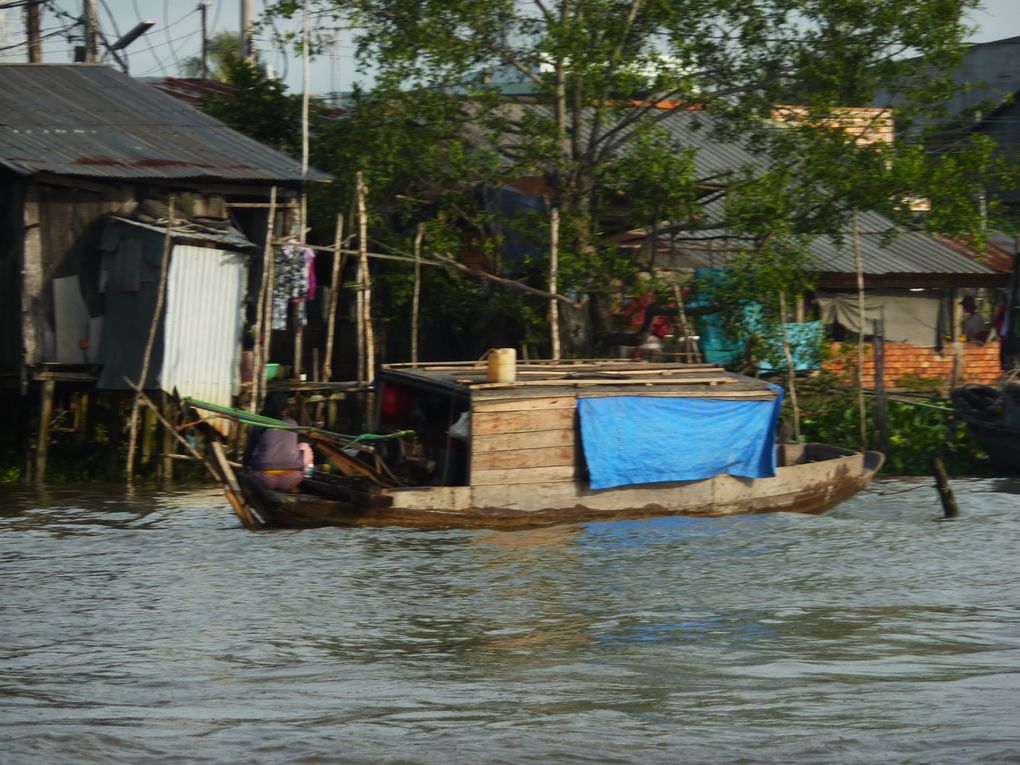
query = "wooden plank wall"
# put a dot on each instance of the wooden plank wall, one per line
(529, 440)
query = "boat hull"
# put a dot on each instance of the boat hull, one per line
(1001, 443)
(812, 478)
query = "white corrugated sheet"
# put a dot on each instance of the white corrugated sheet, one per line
(203, 323)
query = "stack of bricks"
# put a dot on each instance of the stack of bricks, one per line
(980, 363)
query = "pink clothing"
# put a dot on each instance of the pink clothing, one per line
(288, 480)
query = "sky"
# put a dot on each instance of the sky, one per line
(176, 36)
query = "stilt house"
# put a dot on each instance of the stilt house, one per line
(89, 159)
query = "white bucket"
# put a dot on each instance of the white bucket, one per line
(502, 365)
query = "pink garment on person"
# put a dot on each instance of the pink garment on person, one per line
(289, 480)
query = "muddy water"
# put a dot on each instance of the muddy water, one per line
(148, 627)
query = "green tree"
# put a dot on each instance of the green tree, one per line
(223, 48)
(600, 75)
(259, 106)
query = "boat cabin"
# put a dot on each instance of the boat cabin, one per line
(600, 423)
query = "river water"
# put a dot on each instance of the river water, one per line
(150, 628)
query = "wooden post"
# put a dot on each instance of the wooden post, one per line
(148, 435)
(365, 284)
(157, 314)
(791, 373)
(859, 267)
(334, 297)
(881, 399)
(166, 449)
(299, 334)
(366, 288)
(949, 507)
(46, 391)
(416, 298)
(359, 308)
(554, 268)
(263, 316)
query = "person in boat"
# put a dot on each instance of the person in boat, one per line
(276, 457)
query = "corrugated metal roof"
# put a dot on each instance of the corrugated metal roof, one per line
(886, 248)
(907, 252)
(90, 120)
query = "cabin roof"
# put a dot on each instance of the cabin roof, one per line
(580, 378)
(92, 121)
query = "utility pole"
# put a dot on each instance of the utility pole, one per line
(90, 18)
(32, 32)
(203, 7)
(248, 30)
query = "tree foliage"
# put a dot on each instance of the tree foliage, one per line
(223, 49)
(577, 93)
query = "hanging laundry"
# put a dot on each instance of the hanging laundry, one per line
(295, 282)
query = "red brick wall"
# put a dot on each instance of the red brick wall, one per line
(980, 363)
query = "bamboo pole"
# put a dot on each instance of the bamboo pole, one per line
(359, 318)
(554, 269)
(261, 320)
(267, 318)
(226, 480)
(791, 375)
(859, 267)
(157, 314)
(417, 292)
(334, 297)
(365, 285)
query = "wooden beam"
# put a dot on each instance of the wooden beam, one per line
(43, 432)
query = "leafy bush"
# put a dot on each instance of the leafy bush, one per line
(918, 430)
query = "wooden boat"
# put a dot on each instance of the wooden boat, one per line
(993, 421)
(525, 453)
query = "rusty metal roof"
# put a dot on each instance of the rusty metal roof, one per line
(93, 121)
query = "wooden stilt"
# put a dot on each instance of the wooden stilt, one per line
(148, 435)
(43, 431)
(334, 297)
(157, 314)
(114, 434)
(263, 311)
(166, 441)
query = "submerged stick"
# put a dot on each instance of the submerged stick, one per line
(949, 508)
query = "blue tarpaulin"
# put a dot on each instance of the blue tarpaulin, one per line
(648, 439)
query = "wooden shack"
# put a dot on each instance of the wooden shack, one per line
(79, 144)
